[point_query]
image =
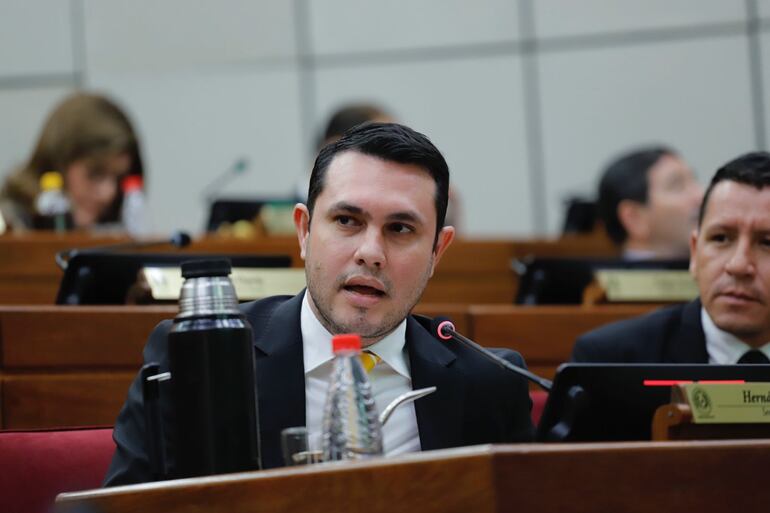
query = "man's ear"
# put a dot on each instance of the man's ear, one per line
(634, 218)
(445, 238)
(693, 248)
(302, 225)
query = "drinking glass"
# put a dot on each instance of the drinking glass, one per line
(295, 449)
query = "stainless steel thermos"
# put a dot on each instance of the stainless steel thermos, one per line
(214, 427)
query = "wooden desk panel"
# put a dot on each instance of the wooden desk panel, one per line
(79, 348)
(40, 400)
(72, 365)
(471, 271)
(639, 477)
(544, 335)
(29, 274)
(61, 337)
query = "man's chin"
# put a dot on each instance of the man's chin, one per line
(367, 328)
(741, 326)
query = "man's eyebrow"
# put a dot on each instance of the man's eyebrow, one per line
(343, 206)
(408, 217)
(720, 226)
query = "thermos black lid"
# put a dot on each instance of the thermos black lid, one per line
(204, 268)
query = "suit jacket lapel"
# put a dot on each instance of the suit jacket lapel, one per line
(439, 415)
(280, 377)
(688, 343)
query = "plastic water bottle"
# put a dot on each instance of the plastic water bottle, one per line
(51, 204)
(133, 213)
(351, 427)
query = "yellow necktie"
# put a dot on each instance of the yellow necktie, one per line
(369, 360)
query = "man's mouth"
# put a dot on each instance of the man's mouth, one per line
(364, 290)
(739, 295)
(366, 286)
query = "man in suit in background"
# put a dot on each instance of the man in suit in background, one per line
(371, 235)
(730, 261)
(648, 202)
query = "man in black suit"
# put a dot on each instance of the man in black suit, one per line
(730, 261)
(371, 235)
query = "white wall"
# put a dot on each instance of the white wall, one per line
(528, 99)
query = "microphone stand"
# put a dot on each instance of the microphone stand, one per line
(210, 191)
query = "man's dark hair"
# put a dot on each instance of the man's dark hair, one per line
(749, 169)
(391, 142)
(626, 179)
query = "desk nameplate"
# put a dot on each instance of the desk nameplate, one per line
(166, 282)
(647, 285)
(728, 403)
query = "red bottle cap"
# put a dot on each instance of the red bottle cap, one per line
(346, 342)
(132, 183)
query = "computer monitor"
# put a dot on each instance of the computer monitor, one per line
(104, 278)
(562, 280)
(616, 401)
(231, 210)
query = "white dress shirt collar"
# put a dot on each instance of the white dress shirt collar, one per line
(722, 347)
(317, 343)
(389, 379)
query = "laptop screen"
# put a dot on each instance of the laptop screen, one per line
(614, 401)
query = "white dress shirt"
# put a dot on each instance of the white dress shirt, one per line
(722, 347)
(389, 379)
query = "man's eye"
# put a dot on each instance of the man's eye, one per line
(345, 221)
(401, 228)
(718, 237)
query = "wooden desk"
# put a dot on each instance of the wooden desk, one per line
(471, 271)
(544, 335)
(66, 365)
(70, 366)
(29, 274)
(640, 477)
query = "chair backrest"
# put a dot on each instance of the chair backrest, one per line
(539, 397)
(37, 465)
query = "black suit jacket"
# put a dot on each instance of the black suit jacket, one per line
(476, 402)
(668, 335)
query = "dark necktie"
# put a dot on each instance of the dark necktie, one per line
(754, 356)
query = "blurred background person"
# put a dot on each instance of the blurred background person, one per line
(348, 116)
(343, 118)
(648, 202)
(90, 142)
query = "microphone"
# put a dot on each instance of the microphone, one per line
(238, 167)
(178, 239)
(444, 329)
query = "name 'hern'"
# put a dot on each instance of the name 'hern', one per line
(749, 397)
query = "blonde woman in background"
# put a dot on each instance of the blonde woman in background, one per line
(90, 141)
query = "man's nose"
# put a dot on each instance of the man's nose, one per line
(740, 261)
(371, 250)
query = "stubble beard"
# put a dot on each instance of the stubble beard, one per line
(369, 333)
